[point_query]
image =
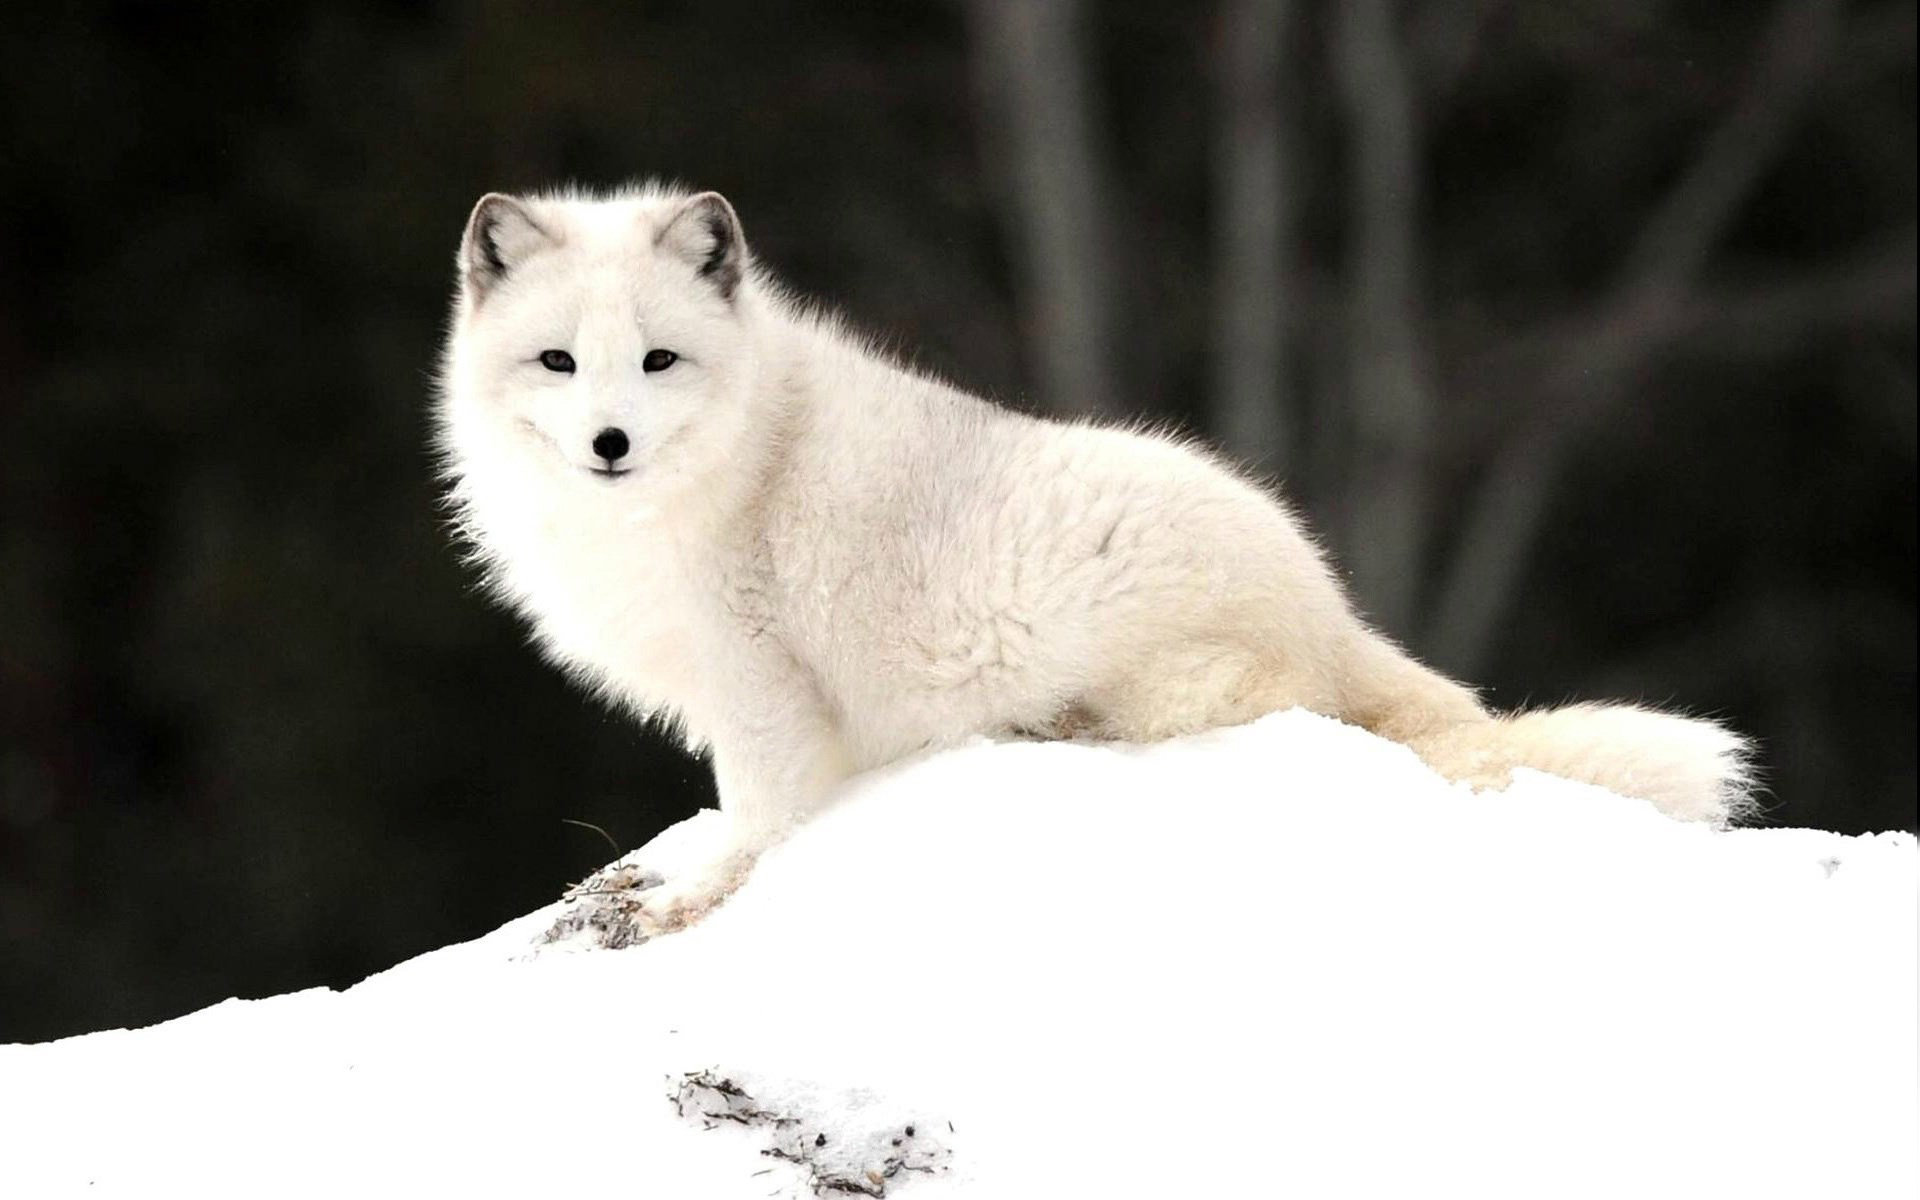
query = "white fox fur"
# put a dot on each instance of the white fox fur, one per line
(818, 561)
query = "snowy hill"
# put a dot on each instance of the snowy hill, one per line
(1277, 960)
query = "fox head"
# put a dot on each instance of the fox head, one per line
(599, 349)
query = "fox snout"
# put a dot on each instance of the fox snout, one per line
(610, 446)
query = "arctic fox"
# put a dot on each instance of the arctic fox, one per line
(719, 508)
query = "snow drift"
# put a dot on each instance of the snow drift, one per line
(1284, 959)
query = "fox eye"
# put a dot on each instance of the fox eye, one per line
(658, 360)
(557, 360)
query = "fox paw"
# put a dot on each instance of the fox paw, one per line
(629, 903)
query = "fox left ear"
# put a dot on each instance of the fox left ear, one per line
(706, 234)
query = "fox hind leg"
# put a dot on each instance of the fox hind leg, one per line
(1197, 686)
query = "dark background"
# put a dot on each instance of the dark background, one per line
(1582, 330)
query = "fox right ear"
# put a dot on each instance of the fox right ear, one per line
(500, 235)
(706, 235)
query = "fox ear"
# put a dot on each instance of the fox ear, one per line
(706, 234)
(500, 235)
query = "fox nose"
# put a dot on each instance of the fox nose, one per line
(610, 444)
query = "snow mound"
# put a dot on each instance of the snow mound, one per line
(1279, 959)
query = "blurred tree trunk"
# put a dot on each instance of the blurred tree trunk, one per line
(1508, 511)
(1390, 377)
(1253, 302)
(1028, 60)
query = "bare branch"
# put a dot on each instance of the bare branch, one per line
(1391, 398)
(1876, 284)
(1879, 287)
(1505, 517)
(1675, 243)
(1027, 56)
(1253, 301)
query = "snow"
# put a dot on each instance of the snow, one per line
(1279, 959)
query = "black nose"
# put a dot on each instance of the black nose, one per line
(610, 444)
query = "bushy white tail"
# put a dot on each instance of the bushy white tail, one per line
(1691, 769)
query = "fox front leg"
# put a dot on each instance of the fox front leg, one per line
(776, 759)
(774, 766)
